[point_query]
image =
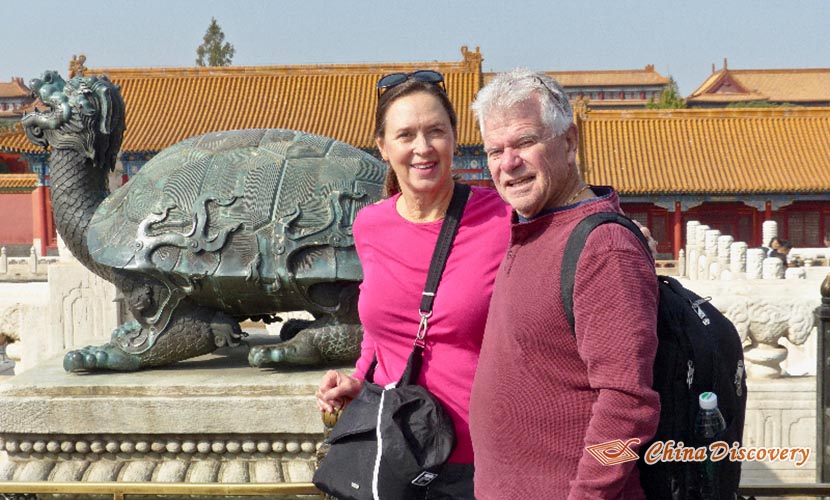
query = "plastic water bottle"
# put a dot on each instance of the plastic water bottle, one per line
(708, 424)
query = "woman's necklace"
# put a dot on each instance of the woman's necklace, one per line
(577, 194)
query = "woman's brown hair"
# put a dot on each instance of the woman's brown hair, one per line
(386, 99)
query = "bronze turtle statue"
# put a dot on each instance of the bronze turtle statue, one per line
(212, 231)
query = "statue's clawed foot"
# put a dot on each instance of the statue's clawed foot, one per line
(192, 332)
(323, 342)
(95, 358)
(109, 356)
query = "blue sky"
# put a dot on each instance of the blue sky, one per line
(681, 39)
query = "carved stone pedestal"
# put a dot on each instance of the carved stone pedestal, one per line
(780, 413)
(83, 307)
(211, 419)
(74, 309)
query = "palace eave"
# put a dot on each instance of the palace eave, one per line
(712, 151)
(804, 85)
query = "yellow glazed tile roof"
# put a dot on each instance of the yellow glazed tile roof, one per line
(163, 111)
(603, 78)
(640, 151)
(27, 108)
(613, 103)
(22, 183)
(727, 98)
(470, 63)
(16, 142)
(777, 85)
(637, 77)
(708, 151)
(14, 88)
(166, 105)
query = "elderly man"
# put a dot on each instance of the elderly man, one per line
(542, 392)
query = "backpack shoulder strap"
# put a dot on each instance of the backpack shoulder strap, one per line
(573, 249)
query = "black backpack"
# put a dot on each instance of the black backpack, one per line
(698, 350)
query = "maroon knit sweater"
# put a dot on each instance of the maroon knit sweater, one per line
(540, 395)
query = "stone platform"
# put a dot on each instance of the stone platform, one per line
(780, 413)
(210, 419)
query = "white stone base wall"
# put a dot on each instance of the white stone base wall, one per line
(780, 413)
(210, 419)
(198, 458)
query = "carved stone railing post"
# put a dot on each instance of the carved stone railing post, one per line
(32, 261)
(710, 249)
(737, 260)
(754, 263)
(723, 243)
(823, 384)
(691, 249)
(769, 230)
(701, 263)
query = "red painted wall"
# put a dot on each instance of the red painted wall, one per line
(14, 164)
(15, 219)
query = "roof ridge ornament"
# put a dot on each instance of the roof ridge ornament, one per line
(76, 66)
(581, 107)
(472, 59)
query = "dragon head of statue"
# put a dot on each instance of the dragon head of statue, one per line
(85, 114)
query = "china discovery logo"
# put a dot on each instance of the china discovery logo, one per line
(614, 452)
(618, 452)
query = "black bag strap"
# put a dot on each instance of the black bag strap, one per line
(573, 249)
(449, 228)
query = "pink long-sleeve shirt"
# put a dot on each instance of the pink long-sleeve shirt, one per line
(395, 255)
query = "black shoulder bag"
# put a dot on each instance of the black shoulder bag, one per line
(390, 442)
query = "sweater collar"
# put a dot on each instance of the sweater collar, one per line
(606, 199)
(599, 191)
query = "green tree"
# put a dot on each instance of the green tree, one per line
(669, 98)
(214, 51)
(759, 104)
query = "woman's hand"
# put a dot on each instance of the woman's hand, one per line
(336, 390)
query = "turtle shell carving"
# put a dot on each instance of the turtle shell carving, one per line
(214, 230)
(250, 222)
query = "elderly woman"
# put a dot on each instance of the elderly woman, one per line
(415, 130)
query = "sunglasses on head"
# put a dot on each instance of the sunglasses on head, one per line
(557, 96)
(425, 75)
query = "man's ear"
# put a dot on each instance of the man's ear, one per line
(572, 138)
